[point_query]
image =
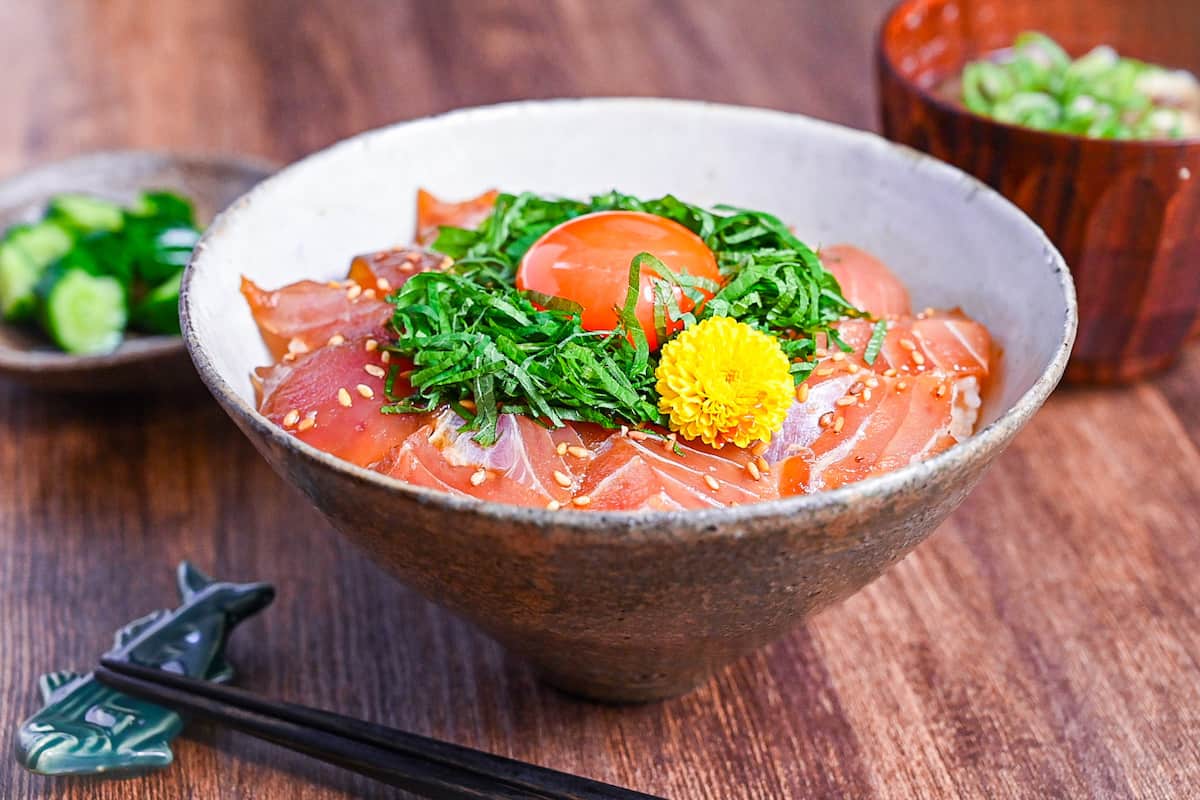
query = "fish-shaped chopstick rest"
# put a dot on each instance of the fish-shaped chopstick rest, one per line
(87, 729)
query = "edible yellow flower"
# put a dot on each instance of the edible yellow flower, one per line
(723, 381)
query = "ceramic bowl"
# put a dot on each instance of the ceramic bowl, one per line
(1124, 214)
(619, 605)
(142, 362)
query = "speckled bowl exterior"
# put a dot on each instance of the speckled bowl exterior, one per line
(142, 363)
(1125, 214)
(636, 606)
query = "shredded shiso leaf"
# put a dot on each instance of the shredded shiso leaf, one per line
(472, 335)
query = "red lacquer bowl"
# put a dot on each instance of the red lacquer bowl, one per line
(1126, 215)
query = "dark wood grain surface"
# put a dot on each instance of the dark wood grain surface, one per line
(1044, 643)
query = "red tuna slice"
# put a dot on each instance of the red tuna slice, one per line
(387, 270)
(308, 387)
(629, 474)
(949, 343)
(523, 467)
(866, 282)
(900, 421)
(307, 314)
(432, 213)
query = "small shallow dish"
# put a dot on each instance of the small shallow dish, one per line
(619, 605)
(142, 362)
(1124, 214)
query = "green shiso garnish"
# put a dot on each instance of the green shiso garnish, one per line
(472, 335)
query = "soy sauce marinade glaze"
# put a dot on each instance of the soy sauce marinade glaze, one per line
(616, 353)
(1101, 94)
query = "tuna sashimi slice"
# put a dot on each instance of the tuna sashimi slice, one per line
(848, 429)
(524, 466)
(630, 474)
(948, 343)
(866, 282)
(387, 270)
(305, 315)
(432, 213)
(331, 399)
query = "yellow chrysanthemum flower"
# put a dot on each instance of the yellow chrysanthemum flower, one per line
(723, 381)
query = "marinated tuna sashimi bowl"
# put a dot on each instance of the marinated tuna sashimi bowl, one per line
(617, 353)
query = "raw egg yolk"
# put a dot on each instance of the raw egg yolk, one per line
(586, 260)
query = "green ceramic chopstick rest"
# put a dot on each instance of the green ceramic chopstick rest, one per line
(86, 728)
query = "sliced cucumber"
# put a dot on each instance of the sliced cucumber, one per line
(159, 310)
(165, 206)
(86, 214)
(18, 277)
(24, 256)
(42, 243)
(83, 313)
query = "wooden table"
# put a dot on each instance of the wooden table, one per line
(1044, 643)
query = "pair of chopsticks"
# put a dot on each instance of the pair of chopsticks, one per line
(417, 764)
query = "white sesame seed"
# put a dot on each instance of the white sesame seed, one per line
(478, 476)
(637, 436)
(375, 371)
(579, 452)
(582, 500)
(336, 339)
(853, 368)
(344, 397)
(561, 449)
(759, 448)
(752, 468)
(353, 292)
(712, 482)
(369, 294)
(309, 421)
(872, 383)
(371, 345)
(941, 390)
(837, 426)
(890, 372)
(385, 356)
(845, 401)
(296, 345)
(365, 391)
(918, 358)
(839, 356)
(562, 479)
(908, 344)
(1185, 173)
(802, 393)
(291, 418)
(446, 263)
(901, 386)
(763, 466)
(553, 505)
(822, 373)
(866, 395)
(384, 284)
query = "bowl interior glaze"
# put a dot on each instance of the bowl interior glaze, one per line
(617, 605)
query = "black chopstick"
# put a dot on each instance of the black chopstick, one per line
(415, 763)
